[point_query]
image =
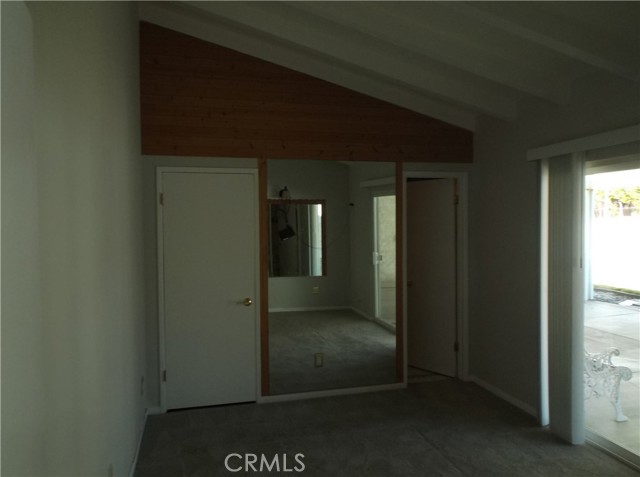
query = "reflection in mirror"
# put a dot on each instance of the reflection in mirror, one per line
(296, 245)
(335, 329)
(384, 255)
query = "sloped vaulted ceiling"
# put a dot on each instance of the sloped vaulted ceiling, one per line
(450, 60)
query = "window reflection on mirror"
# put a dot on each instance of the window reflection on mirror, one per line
(330, 324)
(296, 245)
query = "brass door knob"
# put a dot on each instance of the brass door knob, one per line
(247, 302)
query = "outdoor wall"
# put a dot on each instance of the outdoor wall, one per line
(615, 254)
(72, 331)
(328, 180)
(504, 228)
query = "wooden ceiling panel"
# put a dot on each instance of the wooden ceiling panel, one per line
(202, 99)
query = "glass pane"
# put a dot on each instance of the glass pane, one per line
(612, 307)
(324, 332)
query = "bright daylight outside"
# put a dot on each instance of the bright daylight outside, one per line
(612, 307)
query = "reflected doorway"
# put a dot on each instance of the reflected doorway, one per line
(384, 258)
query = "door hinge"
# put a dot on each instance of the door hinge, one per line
(161, 198)
(456, 199)
(164, 375)
(456, 347)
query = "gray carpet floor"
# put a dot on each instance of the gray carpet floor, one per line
(356, 351)
(443, 428)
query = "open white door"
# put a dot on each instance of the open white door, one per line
(431, 275)
(208, 248)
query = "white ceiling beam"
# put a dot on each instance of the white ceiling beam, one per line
(281, 22)
(434, 40)
(627, 135)
(196, 23)
(525, 22)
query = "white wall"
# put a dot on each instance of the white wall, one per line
(23, 358)
(75, 355)
(504, 228)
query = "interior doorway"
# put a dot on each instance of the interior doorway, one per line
(384, 258)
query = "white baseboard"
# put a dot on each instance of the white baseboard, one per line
(380, 322)
(503, 395)
(362, 313)
(132, 470)
(152, 411)
(308, 308)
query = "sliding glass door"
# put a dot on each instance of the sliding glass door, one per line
(612, 306)
(590, 268)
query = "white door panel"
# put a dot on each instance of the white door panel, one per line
(209, 238)
(431, 275)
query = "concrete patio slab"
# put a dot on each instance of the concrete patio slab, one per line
(614, 326)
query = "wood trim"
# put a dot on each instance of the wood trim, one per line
(264, 276)
(400, 368)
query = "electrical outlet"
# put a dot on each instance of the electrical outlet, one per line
(110, 470)
(319, 360)
(315, 290)
(142, 386)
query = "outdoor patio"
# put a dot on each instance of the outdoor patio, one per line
(610, 325)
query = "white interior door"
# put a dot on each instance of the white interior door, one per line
(431, 275)
(209, 234)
